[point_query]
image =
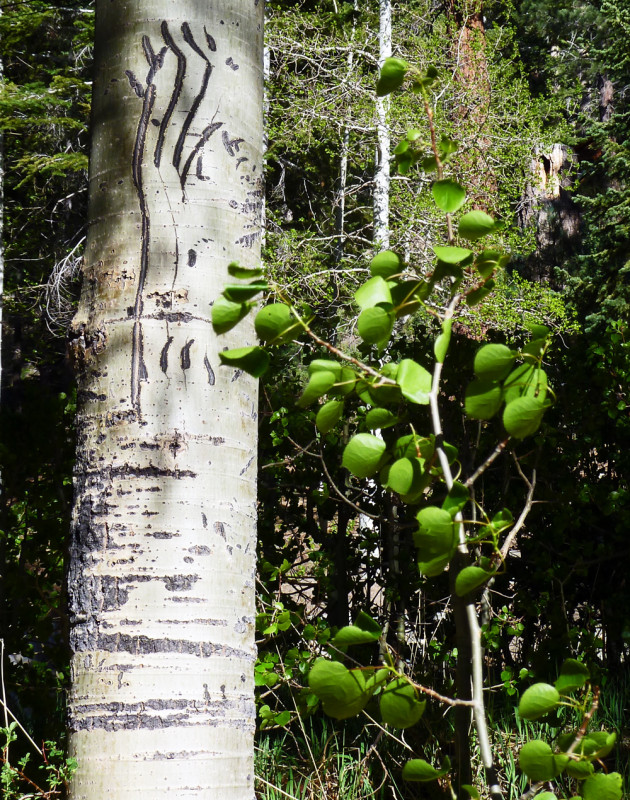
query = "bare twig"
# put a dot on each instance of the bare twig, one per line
(484, 466)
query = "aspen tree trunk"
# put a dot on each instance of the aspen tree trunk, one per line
(162, 560)
(381, 171)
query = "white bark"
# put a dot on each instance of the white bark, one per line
(381, 171)
(163, 551)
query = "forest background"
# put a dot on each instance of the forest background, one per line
(543, 116)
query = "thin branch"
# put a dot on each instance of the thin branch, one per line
(342, 495)
(507, 544)
(484, 466)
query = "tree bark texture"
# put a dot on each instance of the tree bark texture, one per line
(162, 561)
(381, 167)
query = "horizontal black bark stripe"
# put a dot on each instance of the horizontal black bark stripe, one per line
(141, 645)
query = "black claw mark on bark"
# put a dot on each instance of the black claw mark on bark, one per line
(177, 89)
(189, 39)
(192, 257)
(164, 355)
(138, 367)
(184, 355)
(231, 145)
(209, 370)
(214, 126)
(240, 161)
(212, 45)
(135, 83)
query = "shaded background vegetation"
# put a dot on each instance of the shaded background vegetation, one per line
(548, 150)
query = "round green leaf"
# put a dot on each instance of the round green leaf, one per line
(546, 796)
(392, 76)
(452, 255)
(374, 291)
(448, 195)
(523, 416)
(603, 787)
(253, 360)
(319, 383)
(538, 761)
(474, 225)
(471, 578)
(375, 325)
(362, 455)
(479, 294)
(580, 770)
(573, 675)
(538, 700)
(414, 381)
(329, 415)
(386, 264)
(440, 348)
(236, 271)
(239, 292)
(378, 418)
(420, 770)
(342, 691)
(274, 321)
(403, 474)
(493, 362)
(399, 705)
(435, 540)
(483, 399)
(526, 380)
(226, 314)
(325, 365)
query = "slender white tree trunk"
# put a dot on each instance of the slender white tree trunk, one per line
(381, 172)
(162, 558)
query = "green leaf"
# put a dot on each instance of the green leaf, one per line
(401, 148)
(470, 578)
(240, 293)
(364, 631)
(362, 455)
(456, 499)
(226, 314)
(523, 416)
(345, 383)
(479, 294)
(546, 796)
(429, 164)
(448, 146)
(435, 540)
(378, 418)
(538, 331)
(502, 519)
(403, 475)
(375, 325)
(573, 675)
(448, 195)
(399, 704)
(474, 225)
(488, 261)
(580, 769)
(474, 794)
(420, 770)
(236, 271)
(538, 700)
(326, 365)
(597, 744)
(493, 362)
(414, 381)
(392, 76)
(603, 787)
(373, 292)
(274, 322)
(452, 255)
(408, 296)
(386, 264)
(440, 348)
(329, 415)
(538, 761)
(254, 360)
(483, 399)
(342, 691)
(319, 383)
(527, 380)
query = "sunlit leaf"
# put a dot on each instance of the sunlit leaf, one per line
(538, 761)
(362, 455)
(475, 224)
(493, 362)
(392, 76)
(414, 381)
(319, 383)
(538, 700)
(226, 314)
(386, 264)
(254, 360)
(449, 196)
(522, 417)
(400, 706)
(329, 415)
